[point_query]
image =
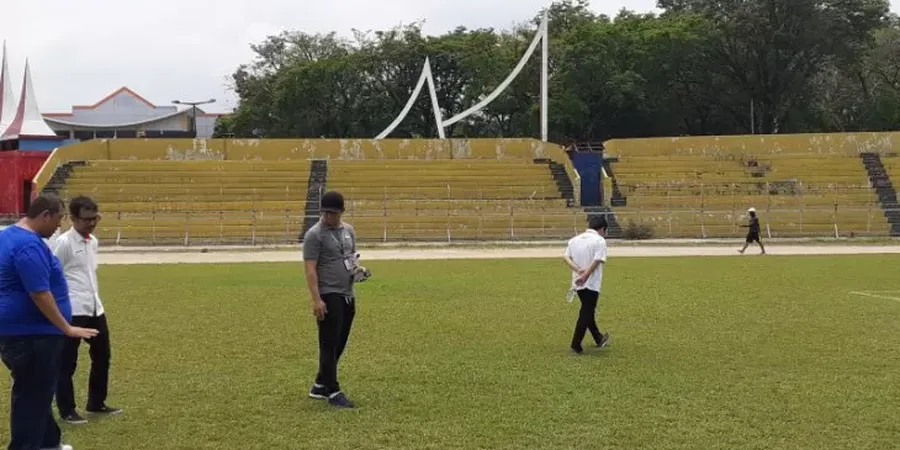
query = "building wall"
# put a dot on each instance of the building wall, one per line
(40, 145)
(119, 109)
(17, 168)
(128, 109)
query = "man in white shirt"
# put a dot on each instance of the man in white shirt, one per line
(77, 252)
(586, 255)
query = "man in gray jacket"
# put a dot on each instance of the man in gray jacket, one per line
(329, 254)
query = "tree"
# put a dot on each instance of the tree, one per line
(771, 49)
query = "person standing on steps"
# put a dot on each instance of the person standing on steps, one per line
(330, 259)
(77, 252)
(586, 255)
(35, 312)
(752, 233)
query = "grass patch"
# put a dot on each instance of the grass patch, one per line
(712, 353)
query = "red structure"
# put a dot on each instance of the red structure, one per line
(17, 169)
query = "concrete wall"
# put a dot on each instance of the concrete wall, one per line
(304, 149)
(850, 144)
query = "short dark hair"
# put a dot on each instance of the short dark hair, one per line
(81, 202)
(597, 223)
(44, 203)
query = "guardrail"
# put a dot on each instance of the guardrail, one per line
(405, 225)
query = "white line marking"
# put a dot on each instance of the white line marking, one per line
(896, 299)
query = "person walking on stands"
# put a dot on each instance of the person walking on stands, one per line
(332, 267)
(586, 256)
(77, 252)
(35, 312)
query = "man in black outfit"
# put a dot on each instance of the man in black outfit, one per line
(329, 254)
(753, 233)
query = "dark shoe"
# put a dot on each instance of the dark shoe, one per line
(604, 340)
(72, 418)
(319, 392)
(106, 410)
(340, 400)
(577, 350)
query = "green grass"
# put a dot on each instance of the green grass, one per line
(707, 353)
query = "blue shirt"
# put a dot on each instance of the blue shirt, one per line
(28, 265)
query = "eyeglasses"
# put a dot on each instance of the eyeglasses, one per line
(89, 219)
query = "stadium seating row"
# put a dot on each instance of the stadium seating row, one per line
(796, 193)
(265, 201)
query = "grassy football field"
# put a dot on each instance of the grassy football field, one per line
(706, 353)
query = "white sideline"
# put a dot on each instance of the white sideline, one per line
(371, 254)
(869, 294)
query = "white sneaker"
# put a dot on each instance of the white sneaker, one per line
(570, 295)
(60, 447)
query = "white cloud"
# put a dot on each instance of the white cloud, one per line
(186, 49)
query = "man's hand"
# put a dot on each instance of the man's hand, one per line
(80, 333)
(583, 276)
(319, 309)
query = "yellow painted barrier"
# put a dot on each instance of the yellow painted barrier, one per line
(849, 144)
(167, 149)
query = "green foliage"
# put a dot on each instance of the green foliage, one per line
(697, 68)
(637, 231)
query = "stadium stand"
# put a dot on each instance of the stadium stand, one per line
(453, 199)
(202, 201)
(694, 190)
(503, 189)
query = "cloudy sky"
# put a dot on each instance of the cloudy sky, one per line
(82, 50)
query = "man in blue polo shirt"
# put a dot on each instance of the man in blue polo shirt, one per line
(34, 318)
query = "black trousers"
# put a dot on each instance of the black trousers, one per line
(100, 351)
(334, 331)
(34, 364)
(586, 320)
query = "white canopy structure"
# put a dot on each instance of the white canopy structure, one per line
(7, 101)
(28, 122)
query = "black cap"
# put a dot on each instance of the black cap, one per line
(332, 202)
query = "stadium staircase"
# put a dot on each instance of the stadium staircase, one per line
(617, 198)
(614, 229)
(884, 188)
(62, 173)
(318, 178)
(563, 183)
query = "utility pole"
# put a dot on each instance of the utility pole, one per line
(193, 106)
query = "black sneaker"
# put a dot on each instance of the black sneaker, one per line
(73, 418)
(318, 392)
(106, 410)
(604, 341)
(340, 400)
